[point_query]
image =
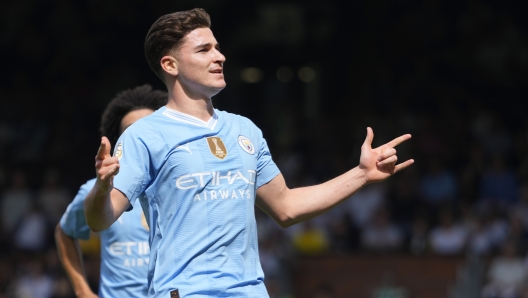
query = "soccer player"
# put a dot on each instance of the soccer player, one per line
(124, 246)
(200, 171)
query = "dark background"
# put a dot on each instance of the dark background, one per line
(376, 61)
(452, 73)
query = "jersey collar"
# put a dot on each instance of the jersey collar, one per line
(189, 119)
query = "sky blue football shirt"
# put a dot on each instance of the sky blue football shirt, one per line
(124, 247)
(199, 180)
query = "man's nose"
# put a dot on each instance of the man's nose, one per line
(219, 57)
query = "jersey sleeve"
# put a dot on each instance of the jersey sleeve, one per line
(266, 168)
(73, 221)
(134, 163)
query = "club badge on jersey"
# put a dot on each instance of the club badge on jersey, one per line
(246, 144)
(119, 151)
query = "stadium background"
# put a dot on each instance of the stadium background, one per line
(312, 75)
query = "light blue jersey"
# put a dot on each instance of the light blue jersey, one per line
(124, 247)
(199, 179)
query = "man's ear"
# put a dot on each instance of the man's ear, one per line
(169, 65)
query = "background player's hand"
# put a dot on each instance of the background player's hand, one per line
(106, 166)
(379, 163)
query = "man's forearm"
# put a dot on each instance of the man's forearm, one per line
(70, 257)
(103, 205)
(290, 206)
(98, 209)
(103, 208)
(307, 202)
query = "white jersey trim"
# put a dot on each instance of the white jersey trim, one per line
(189, 119)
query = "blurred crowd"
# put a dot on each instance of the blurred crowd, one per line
(460, 198)
(29, 265)
(453, 76)
(471, 203)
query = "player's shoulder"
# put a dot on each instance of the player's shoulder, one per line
(83, 192)
(149, 129)
(147, 123)
(73, 222)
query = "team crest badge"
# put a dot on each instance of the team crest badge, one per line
(246, 144)
(217, 147)
(118, 152)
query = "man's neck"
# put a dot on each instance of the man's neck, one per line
(195, 105)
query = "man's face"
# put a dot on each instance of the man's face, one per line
(200, 63)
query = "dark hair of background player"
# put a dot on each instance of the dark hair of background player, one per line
(142, 97)
(167, 33)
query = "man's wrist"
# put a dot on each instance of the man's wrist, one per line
(363, 178)
(102, 188)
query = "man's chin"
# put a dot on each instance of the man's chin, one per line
(216, 89)
(221, 84)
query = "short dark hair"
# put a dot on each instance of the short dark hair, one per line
(167, 33)
(142, 97)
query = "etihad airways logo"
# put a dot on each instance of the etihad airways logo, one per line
(129, 248)
(201, 179)
(195, 180)
(135, 253)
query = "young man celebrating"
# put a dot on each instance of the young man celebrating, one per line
(200, 171)
(124, 246)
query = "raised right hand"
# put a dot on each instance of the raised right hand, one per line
(106, 166)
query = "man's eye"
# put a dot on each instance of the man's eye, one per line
(202, 50)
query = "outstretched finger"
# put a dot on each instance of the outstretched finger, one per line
(387, 153)
(403, 165)
(398, 140)
(369, 138)
(391, 160)
(104, 149)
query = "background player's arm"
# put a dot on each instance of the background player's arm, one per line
(289, 206)
(104, 204)
(70, 257)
